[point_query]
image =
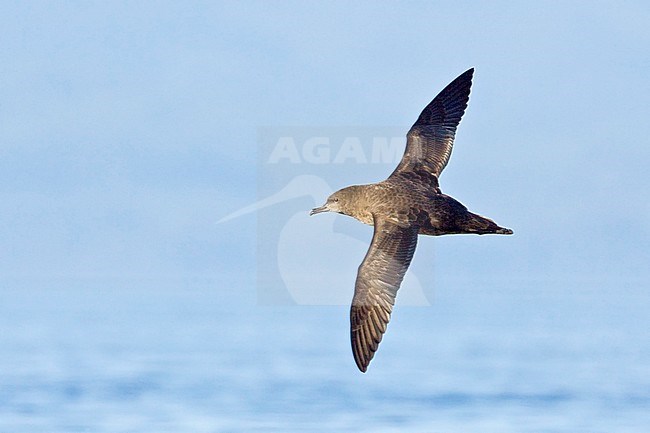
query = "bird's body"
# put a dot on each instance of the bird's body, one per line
(407, 204)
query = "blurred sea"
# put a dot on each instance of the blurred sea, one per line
(199, 355)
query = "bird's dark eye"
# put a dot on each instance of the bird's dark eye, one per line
(336, 199)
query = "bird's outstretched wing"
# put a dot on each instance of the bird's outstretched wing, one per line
(431, 138)
(378, 280)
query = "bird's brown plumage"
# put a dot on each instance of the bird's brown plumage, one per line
(430, 140)
(378, 279)
(406, 204)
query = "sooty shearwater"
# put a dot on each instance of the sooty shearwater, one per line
(406, 204)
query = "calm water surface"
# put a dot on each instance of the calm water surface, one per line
(194, 356)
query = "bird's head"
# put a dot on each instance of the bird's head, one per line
(341, 201)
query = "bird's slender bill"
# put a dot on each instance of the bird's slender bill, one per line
(316, 210)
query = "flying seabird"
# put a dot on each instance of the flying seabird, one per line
(406, 204)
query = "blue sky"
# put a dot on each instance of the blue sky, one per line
(128, 128)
